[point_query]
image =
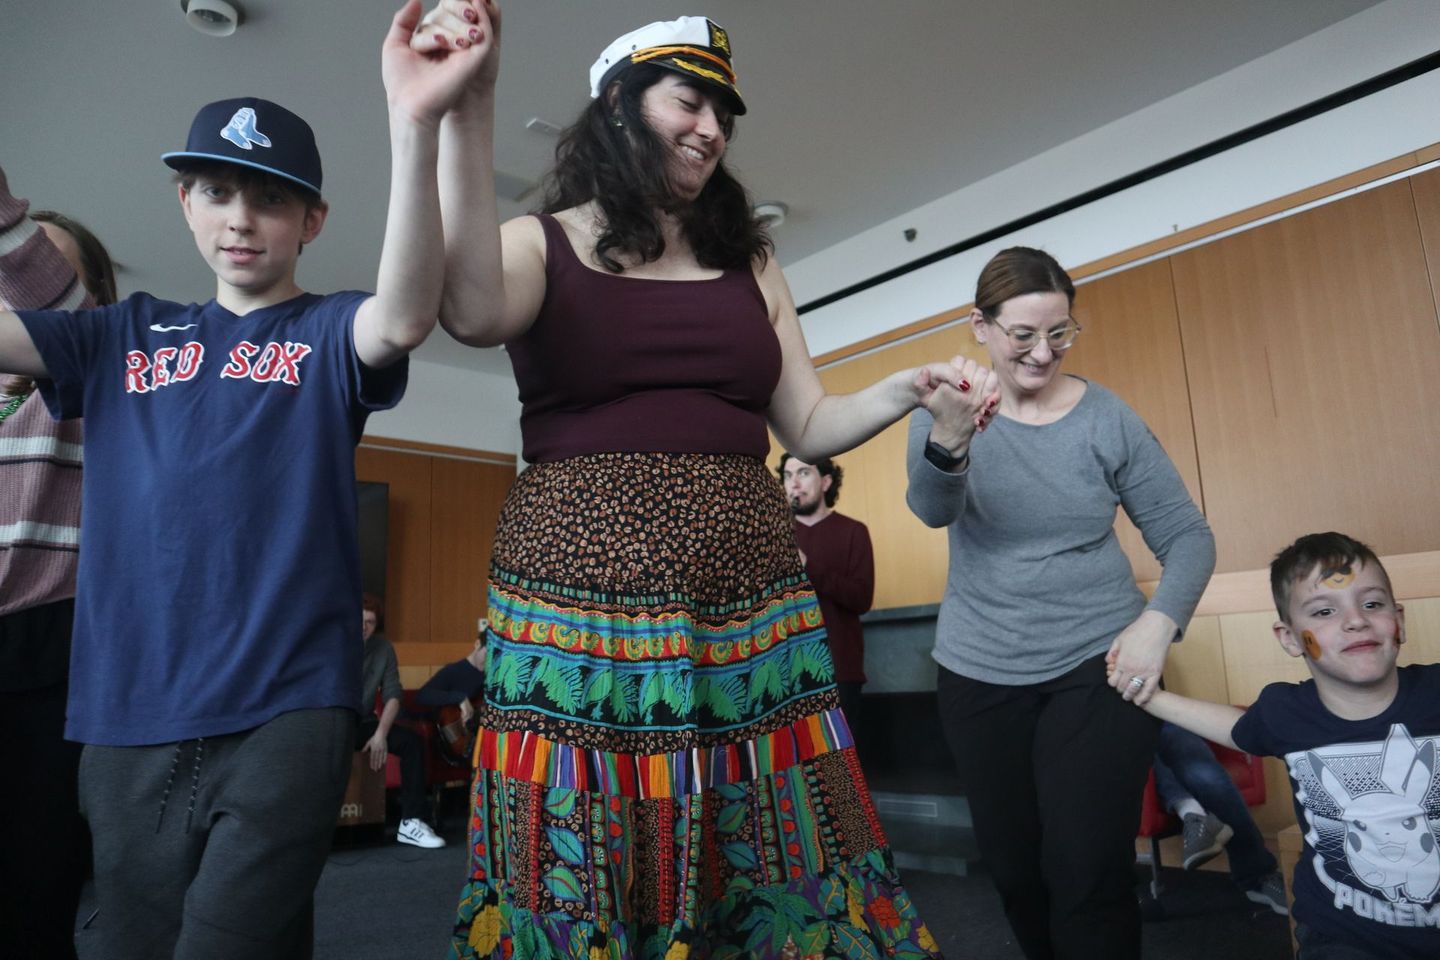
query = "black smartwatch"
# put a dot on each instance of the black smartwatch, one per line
(943, 458)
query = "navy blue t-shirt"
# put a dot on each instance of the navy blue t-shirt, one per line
(219, 581)
(1367, 796)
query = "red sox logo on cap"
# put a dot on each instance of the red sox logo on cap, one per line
(241, 130)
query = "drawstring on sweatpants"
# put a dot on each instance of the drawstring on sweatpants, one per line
(194, 782)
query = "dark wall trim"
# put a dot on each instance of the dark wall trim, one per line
(1315, 108)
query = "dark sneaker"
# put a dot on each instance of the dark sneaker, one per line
(1205, 836)
(1271, 893)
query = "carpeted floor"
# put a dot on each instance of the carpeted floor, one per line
(379, 900)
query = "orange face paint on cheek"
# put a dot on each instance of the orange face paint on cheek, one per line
(1312, 646)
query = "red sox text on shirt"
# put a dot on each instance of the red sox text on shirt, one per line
(272, 363)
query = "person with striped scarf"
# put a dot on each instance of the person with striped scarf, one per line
(47, 261)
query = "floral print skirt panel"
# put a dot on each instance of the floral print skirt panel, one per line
(662, 770)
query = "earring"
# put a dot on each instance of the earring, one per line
(616, 122)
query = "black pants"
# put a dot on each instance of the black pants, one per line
(1054, 773)
(44, 842)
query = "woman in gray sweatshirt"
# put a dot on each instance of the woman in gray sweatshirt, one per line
(1038, 595)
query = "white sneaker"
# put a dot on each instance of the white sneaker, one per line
(418, 833)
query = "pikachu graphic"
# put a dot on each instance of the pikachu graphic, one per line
(1388, 842)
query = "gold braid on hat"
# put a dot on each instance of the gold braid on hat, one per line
(650, 54)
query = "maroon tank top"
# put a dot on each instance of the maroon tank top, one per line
(617, 364)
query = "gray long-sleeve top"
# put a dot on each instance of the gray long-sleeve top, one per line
(1038, 582)
(379, 671)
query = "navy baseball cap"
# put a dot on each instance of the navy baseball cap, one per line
(253, 133)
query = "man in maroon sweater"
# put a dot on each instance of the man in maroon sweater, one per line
(841, 564)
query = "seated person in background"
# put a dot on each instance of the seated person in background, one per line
(1359, 741)
(1194, 786)
(458, 685)
(380, 737)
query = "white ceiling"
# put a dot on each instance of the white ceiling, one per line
(859, 111)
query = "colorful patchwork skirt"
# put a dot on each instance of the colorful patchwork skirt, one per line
(662, 770)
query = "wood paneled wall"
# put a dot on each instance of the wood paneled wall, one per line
(1312, 349)
(1292, 372)
(443, 510)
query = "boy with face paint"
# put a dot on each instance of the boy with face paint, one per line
(1360, 742)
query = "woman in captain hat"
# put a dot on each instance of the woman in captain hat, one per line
(662, 769)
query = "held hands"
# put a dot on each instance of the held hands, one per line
(962, 397)
(457, 25)
(378, 750)
(428, 68)
(1138, 653)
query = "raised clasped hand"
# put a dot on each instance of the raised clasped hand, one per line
(429, 64)
(961, 395)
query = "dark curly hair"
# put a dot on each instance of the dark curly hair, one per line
(825, 467)
(623, 170)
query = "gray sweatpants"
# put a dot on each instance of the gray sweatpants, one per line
(212, 848)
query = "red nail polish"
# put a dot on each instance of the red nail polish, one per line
(964, 386)
(475, 36)
(471, 15)
(461, 42)
(439, 40)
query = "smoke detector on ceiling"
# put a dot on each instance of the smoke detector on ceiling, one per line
(772, 213)
(215, 18)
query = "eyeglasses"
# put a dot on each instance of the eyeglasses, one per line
(1024, 339)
